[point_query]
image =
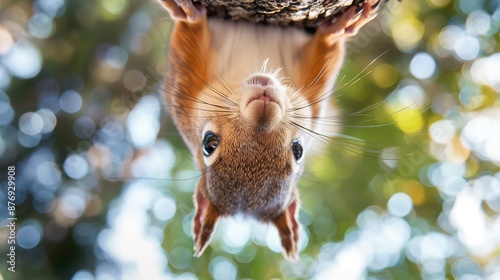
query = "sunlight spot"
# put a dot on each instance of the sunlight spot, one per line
(439, 3)
(452, 185)
(143, 122)
(30, 123)
(48, 173)
(157, 162)
(468, 217)
(410, 96)
(409, 120)
(415, 190)
(70, 101)
(134, 80)
(449, 36)
(465, 267)
(407, 33)
(28, 141)
(422, 66)
(404, 107)
(6, 110)
(73, 202)
(49, 120)
(350, 263)
(29, 234)
(53, 8)
(140, 22)
(113, 9)
(222, 268)
(23, 60)
(442, 132)
(435, 245)
(236, 232)
(6, 40)
(400, 204)
(41, 26)
(468, 6)
(471, 97)
(390, 157)
(116, 57)
(479, 22)
(482, 134)
(484, 71)
(84, 127)
(273, 240)
(164, 208)
(180, 257)
(76, 166)
(83, 275)
(467, 48)
(5, 79)
(384, 75)
(129, 223)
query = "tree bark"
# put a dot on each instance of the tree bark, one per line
(299, 13)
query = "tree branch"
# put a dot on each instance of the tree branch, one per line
(300, 13)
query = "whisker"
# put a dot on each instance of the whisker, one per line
(264, 65)
(191, 97)
(355, 78)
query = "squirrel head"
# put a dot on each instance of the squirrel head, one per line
(249, 143)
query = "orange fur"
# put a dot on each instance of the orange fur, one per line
(253, 171)
(189, 50)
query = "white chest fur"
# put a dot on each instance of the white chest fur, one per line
(242, 49)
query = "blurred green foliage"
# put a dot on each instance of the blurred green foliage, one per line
(410, 190)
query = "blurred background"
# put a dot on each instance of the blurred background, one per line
(411, 190)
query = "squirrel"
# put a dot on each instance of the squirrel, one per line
(246, 99)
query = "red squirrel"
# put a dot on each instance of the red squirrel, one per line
(246, 99)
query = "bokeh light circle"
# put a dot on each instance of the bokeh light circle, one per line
(422, 66)
(400, 204)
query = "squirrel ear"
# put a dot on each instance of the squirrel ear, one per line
(204, 221)
(288, 228)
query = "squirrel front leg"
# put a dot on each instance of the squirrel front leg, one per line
(189, 59)
(189, 55)
(322, 57)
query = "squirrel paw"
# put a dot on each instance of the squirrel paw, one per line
(348, 23)
(184, 10)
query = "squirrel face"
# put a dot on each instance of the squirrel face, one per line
(253, 153)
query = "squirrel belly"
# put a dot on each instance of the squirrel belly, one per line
(243, 49)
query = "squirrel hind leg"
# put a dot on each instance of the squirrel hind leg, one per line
(204, 223)
(288, 228)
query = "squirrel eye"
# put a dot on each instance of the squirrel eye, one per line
(297, 150)
(210, 142)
